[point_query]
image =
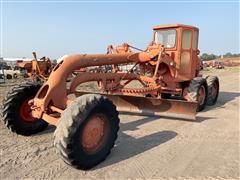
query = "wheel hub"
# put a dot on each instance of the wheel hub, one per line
(214, 91)
(201, 95)
(94, 133)
(25, 112)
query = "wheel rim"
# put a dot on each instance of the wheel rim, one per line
(214, 91)
(201, 95)
(25, 112)
(94, 133)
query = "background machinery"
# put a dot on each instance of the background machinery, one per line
(36, 69)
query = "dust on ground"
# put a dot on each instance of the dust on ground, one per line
(147, 147)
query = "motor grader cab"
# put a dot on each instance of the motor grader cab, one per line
(87, 126)
(181, 43)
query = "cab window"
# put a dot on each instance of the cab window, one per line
(195, 40)
(186, 39)
(166, 37)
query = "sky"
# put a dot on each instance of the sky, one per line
(54, 29)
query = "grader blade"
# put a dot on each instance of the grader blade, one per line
(151, 106)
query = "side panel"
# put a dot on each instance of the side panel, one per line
(195, 52)
(188, 56)
(185, 54)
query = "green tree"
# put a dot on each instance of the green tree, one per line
(228, 55)
(207, 57)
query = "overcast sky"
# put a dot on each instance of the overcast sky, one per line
(57, 28)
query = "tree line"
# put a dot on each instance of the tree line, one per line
(207, 57)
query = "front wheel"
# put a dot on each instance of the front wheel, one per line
(17, 112)
(86, 131)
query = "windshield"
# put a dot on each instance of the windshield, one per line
(166, 37)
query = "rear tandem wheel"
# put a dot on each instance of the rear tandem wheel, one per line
(198, 91)
(213, 89)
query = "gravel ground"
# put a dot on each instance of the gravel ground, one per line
(147, 147)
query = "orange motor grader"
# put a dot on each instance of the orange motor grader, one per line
(169, 84)
(37, 70)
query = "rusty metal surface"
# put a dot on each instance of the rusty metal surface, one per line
(36, 69)
(173, 26)
(152, 106)
(55, 87)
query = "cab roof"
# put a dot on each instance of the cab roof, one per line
(166, 26)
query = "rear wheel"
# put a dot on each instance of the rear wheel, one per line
(213, 89)
(87, 131)
(17, 112)
(198, 91)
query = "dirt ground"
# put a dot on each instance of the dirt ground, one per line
(147, 147)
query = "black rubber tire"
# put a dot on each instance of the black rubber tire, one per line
(9, 76)
(193, 91)
(71, 124)
(11, 107)
(211, 80)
